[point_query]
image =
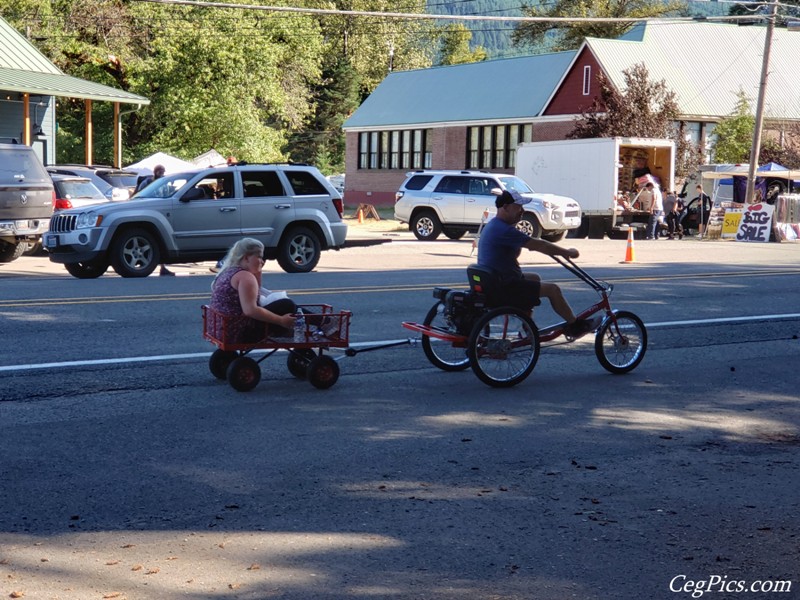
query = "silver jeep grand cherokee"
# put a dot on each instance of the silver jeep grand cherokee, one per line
(198, 215)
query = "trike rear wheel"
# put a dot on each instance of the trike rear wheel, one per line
(621, 342)
(440, 353)
(503, 347)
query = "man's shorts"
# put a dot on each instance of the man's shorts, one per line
(520, 293)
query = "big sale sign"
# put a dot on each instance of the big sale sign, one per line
(755, 224)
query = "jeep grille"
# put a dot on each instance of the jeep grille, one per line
(62, 223)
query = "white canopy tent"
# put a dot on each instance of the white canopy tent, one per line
(172, 164)
(212, 158)
(741, 170)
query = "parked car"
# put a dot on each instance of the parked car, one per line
(455, 202)
(115, 184)
(26, 200)
(198, 215)
(75, 192)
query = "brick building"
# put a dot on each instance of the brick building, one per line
(474, 115)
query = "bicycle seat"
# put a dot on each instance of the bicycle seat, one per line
(486, 281)
(483, 280)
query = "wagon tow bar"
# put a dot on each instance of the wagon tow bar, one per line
(350, 351)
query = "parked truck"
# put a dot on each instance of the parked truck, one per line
(595, 172)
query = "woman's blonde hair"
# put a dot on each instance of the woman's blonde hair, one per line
(244, 247)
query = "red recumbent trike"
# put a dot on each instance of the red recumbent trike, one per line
(468, 328)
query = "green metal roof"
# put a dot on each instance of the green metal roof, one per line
(507, 89)
(26, 70)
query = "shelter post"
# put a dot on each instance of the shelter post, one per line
(88, 149)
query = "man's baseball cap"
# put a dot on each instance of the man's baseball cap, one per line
(510, 197)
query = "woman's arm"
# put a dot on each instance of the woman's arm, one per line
(248, 287)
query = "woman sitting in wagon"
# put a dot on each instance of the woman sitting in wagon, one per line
(235, 295)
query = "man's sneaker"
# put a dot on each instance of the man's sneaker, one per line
(582, 326)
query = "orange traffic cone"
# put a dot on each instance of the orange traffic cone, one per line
(630, 253)
(360, 216)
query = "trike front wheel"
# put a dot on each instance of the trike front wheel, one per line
(503, 347)
(621, 342)
(442, 354)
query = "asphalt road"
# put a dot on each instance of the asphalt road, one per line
(130, 472)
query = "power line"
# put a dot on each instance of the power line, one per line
(419, 16)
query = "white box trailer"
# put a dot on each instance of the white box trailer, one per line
(593, 171)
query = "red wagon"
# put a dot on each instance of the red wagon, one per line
(324, 329)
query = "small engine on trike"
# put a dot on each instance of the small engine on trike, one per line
(460, 308)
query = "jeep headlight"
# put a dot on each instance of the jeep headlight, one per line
(88, 220)
(548, 205)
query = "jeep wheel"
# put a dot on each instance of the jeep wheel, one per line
(299, 251)
(10, 252)
(86, 270)
(425, 225)
(134, 253)
(529, 225)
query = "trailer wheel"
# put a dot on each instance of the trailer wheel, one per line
(323, 372)
(219, 362)
(244, 374)
(299, 360)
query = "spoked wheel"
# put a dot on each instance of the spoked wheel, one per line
(503, 347)
(299, 360)
(442, 354)
(620, 343)
(323, 372)
(219, 362)
(243, 374)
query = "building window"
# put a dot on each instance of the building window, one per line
(473, 148)
(428, 149)
(486, 147)
(400, 149)
(495, 147)
(373, 150)
(500, 158)
(363, 150)
(587, 80)
(513, 142)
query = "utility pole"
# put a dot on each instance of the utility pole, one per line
(762, 92)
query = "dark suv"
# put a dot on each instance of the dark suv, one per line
(116, 184)
(26, 200)
(198, 215)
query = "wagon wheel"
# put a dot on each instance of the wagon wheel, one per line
(244, 374)
(219, 362)
(299, 360)
(323, 372)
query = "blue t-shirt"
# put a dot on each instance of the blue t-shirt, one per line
(499, 248)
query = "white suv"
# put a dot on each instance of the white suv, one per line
(455, 202)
